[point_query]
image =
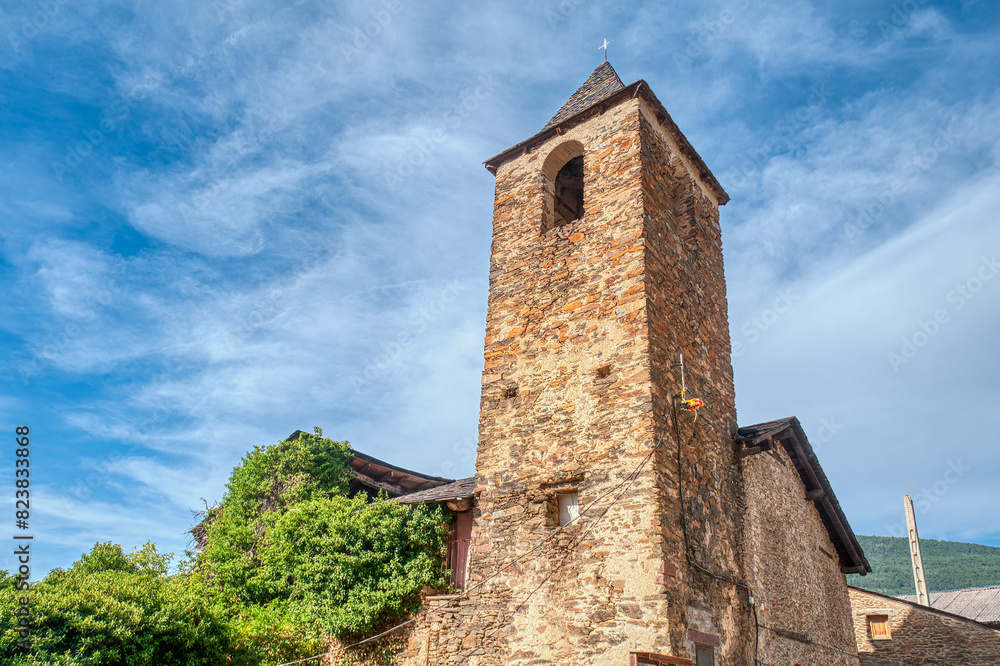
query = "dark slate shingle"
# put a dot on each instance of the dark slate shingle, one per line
(603, 83)
(461, 489)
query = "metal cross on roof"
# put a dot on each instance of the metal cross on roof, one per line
(605, 46)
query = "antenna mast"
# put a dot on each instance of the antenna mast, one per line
(919, 579)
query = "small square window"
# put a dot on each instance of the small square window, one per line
(704, 655)
(569, 508)
(878, 627)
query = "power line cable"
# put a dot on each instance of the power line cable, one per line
(627, 480)
(687, 542)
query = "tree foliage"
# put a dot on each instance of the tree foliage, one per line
(267, 481)
(288, 548)
(353, 566)
(949, 565)
(113, 608)
(288, 560)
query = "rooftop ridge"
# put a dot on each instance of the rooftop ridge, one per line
(602, 82)
(954, 589)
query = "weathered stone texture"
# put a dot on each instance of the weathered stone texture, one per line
(804, 611)
(562, 305)
(687, 314)
(584, 330)
(920, 635)
(627, 288)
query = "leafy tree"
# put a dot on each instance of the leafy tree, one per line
(353, 566)
(287, 561)
(261, 487)
(950, 565)
(6, 580)
(116, 608)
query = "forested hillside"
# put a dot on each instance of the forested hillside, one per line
(950, 565)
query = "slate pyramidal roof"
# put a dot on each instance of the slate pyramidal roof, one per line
(601, 84)
(602, 89)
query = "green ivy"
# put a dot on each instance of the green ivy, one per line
(353, 566)
(267, 481)
(288, 548)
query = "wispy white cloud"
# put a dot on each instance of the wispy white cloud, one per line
(74, 276)
(835, 346)
(292, 223)
(221, 212)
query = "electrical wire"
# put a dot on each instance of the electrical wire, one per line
(629, 479)
(687, 542)
(680, 493)
(625, 482)
(809, 641)
(623, 486)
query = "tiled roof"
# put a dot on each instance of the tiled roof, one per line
(406, 478)
(373, 475)
(981, 604)
(764, 430)
(602, 83)
(796, 444)
(461, 489)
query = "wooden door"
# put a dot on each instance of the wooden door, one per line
(458, 549)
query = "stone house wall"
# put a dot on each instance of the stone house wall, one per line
(804, 610)
(920, 635)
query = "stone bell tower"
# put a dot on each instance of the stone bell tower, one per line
(607, 519)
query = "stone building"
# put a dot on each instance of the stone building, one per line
(613, 520)
(891, 631)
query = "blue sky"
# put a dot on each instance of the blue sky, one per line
(223, 221)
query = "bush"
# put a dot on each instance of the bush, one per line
(354, 566)
(261, 487)
(116, 608)
(288, 562)
(287, 548)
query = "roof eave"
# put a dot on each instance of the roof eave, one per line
(439, 480)
(456, 491)
(642, 88)
(813, 478)
(857, 563)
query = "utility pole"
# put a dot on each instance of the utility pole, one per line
(919, 578)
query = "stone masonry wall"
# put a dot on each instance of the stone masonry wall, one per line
(804, 610)
(688, 313)
(562, 306)
(581, 376)
(568, 404)
(920, 636)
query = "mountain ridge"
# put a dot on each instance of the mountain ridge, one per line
(950, 565)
